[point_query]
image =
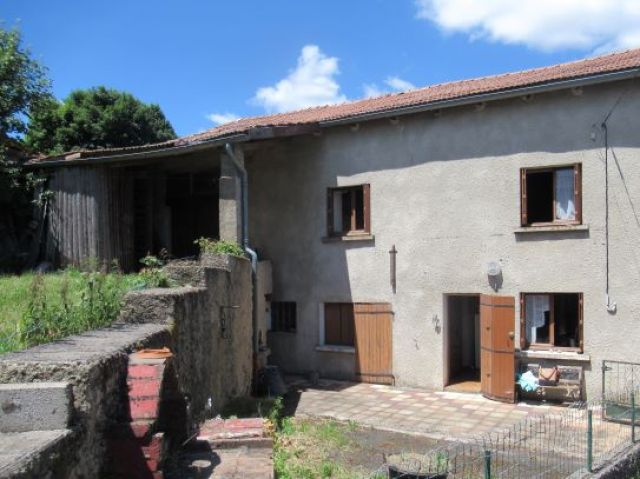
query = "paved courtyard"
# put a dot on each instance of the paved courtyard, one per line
(439, 415)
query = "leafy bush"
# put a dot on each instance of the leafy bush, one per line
(152, 275)
(210, 246)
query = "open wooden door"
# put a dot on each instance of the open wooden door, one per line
(373, 342)
(497, 346)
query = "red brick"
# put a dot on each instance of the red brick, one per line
(145, 371)
(139, 388)
(144, 408)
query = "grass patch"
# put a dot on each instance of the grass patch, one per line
(38, 308)
(306, 449)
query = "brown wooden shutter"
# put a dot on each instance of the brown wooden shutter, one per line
(346, 324)
(581, 321)
(330, 231)
(373, 342)
(577, 191)
(523, 322)
(331, 323)
(523, 197)
(366, 190)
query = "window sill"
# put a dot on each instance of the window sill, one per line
(329, 348)
(355, 237)
(557, 355)
(551, 229)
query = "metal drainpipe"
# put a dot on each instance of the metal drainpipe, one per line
(245, 241)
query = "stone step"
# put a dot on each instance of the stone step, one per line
(232, 433)
(44, 406)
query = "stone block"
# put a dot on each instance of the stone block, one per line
(43, 406)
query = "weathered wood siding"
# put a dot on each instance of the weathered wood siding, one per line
(89, 216)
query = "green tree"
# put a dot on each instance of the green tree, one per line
(97, 118)
(24, 90)
(24, 86)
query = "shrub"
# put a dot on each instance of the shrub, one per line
(152, 275)
(210, 246)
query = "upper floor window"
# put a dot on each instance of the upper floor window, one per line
(348, 210)
(551, 196)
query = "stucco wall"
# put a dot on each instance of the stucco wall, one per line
(445, 190)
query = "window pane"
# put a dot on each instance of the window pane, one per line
(537, 313)
(359, 193)
(283, 316)
(346, 211)
(540, 196)
(567, 320)
(565, 207)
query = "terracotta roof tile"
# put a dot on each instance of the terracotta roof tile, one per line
(610, 63)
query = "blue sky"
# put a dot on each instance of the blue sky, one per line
(207, 61)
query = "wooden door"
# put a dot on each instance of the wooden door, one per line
(497, 347)
(373, 324)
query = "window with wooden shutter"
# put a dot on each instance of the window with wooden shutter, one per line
(551, 321)
(338, 324)
(349, 210)
(550, 196)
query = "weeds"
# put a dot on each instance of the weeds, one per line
(210, 246)
(37, 308)
(152, 275)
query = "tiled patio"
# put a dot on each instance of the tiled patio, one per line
(440, 415)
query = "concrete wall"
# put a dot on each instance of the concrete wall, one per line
(210, 340)
(445, 190)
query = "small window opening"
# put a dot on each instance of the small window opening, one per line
(553, 320)
(348, 210)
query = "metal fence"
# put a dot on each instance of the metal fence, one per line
(562, 443)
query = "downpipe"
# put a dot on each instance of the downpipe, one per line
(244, 187)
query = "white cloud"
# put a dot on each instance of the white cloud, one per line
(394, 84)
(221, 118)
(398, 84)
(311, 83)
(599, 25)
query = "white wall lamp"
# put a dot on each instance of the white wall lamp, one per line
(494, 273)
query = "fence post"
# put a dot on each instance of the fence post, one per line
(487, 464)
(633, 417)
(590, 440)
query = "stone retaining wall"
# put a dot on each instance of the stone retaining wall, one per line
(206, 322)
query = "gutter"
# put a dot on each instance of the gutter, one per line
(245, 239)
(142, 155)
(482, 97)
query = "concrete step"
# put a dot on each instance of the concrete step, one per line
(32, 454)
(44, 406)
(233, 433)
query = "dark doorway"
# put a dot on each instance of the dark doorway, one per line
(193, 200)
(463, 343)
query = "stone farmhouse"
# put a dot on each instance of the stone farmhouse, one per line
(445, 237)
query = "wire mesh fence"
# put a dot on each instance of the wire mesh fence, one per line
(559, 444)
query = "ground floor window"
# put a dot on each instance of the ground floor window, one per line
(551, 321)
(283, 316)
(339, 324)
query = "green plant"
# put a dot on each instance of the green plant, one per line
(210, 246)
(152, 275)
(81, 301)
